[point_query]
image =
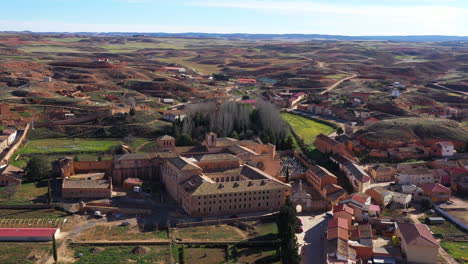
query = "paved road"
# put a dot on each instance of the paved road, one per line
(312, 245)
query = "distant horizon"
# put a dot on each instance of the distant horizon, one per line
(331, 17)
(219, 33)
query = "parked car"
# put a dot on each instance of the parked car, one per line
(449, 202)
(299, 230)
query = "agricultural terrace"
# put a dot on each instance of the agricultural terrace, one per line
(121, 255)
(24, 253)
(305, 128)
(106, 232)
(83, 148)
(245, 231)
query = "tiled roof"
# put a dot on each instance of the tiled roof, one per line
(88, 184)
(327, 139)
(338, 222)
(357, 171)
(417, 234)
(12, 171)
(343, 208)
(217, 157)
(27, 232)
(182, 163)
(135, 156)
(435, 187)
(321, 172)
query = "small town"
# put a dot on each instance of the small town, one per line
(127, 137)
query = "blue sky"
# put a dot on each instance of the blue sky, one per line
(345, 17)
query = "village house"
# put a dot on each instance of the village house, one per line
(174, 115)
(417, 176)
(416, 192)
(344, 211)
(460, 183)
(360, 210)
(409, 152)
(10, 175)
(382, 173)
(380, 195)
(338, 228)
(175, 69)
(339, 252)
(443, 149)
(378, 153)
(247, 82)
(436, 192)
(417, 243)
(92, 189)
(325, 183)
(327, 145)
(400, 200)
(355, 173)
(166, 143)
(362, 237)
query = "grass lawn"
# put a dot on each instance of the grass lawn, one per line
(337, 76)
(446, 229)
(305, 128)
(260, 255)
(122, 255)
(18, 253)
(263, 231)
(120, 233)
(67, 145)
(204, 255)
(221, 232)
(458, 250)
(25, 193)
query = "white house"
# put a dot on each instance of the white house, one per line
(396, 93)
(417, 176)
(172, 116)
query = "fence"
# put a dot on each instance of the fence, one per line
(454, 220)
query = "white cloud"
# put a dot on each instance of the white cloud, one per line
(61, 26)
(355, 19)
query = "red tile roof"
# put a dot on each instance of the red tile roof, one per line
(435, 187)
(358, 198)
(250, 101)
(343, 207)
(338, 222)
(247, 81)
(374, 208)
(133, 180)
(27, 232)
(417, 234)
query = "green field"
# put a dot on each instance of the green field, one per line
(19, 253)
(458, 250)
(68, 145)
(122, 255)
(120, 233)
(337, 76)
(305, 128)
(25, 193)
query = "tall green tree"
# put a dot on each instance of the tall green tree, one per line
(54, 249)
(287, 226)
(37, 169)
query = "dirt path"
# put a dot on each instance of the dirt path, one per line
(65, 237)
(141, 146)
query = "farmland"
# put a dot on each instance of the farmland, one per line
(458, 250)
(71, 145)
(107, 232)
(24, 253)
(121, 255)
(307, 129)
(26, 193)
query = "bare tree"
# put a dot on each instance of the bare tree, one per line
(10, 191)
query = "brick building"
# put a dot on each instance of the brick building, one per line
(93, 189)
